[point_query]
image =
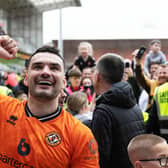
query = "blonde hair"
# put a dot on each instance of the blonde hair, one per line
(76, 101)
(140, 147)
(88, 45)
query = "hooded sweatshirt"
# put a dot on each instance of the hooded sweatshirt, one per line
(116, 120)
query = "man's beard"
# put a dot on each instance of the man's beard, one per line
(48, 95)
(44, 95)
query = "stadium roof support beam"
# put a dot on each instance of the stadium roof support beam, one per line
(30, 7)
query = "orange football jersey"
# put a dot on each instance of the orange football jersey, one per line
(27, 142)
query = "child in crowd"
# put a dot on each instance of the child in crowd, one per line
(77, 105)
(74, 77)
(85, 58)
(148, 151)
(155, 55)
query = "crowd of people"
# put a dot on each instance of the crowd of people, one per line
(109, 112)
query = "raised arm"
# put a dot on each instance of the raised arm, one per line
(144, 81)
(8, 47)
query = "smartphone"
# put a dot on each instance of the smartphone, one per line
(141, 52)
(127, 65)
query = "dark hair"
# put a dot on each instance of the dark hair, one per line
(111, 67)
(48, 49)
(26, 64)
(154, 62)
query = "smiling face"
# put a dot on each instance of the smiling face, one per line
(154, 70)
(162, 74)
(45, 76)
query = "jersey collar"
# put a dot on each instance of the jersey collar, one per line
(43, 118)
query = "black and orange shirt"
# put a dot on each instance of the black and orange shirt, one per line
(27, 142)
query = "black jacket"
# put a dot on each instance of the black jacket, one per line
(116, 120)
(137, 89)
(90, 62)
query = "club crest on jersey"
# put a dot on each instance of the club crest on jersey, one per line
(53, 139)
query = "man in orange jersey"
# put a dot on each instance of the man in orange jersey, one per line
(38, 133)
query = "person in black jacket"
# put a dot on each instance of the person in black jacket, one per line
(117, 117)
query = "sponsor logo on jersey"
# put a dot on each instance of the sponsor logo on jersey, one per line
(53, 139)
(9, 161)
(12, 119)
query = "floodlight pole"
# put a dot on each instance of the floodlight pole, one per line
(60, 42)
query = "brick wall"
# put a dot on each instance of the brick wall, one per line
(122, 47)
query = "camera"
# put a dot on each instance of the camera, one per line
(127, 65)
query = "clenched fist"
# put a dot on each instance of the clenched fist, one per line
(8, 47)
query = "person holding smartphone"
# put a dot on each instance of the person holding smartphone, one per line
(130, 78)
(150, 84)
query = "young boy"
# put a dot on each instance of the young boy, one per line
(155, 55)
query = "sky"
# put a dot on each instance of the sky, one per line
(109, 19)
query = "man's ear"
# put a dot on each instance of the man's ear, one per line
(25, 79)
(64, 83)
(98, 77)
(138, 164)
